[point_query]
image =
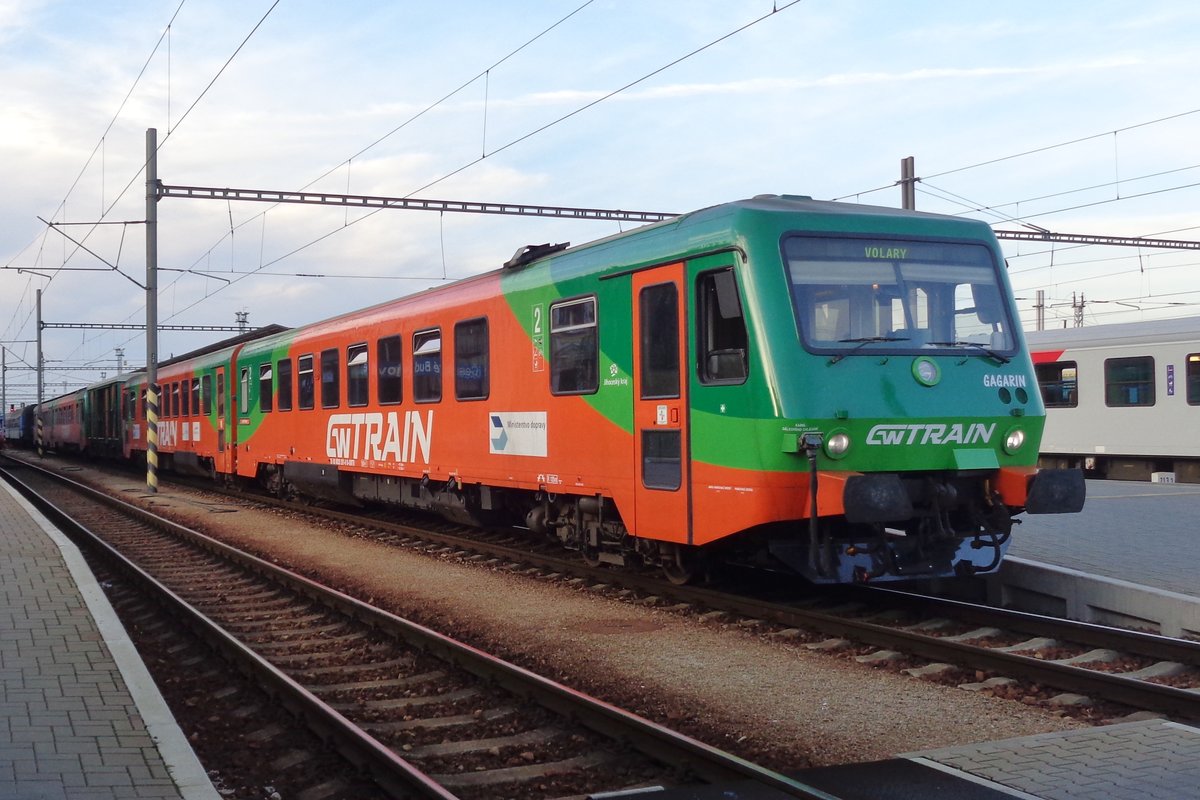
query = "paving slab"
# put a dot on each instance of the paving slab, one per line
(80, 716)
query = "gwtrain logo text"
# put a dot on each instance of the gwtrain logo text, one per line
(372, 437)
(931, 433)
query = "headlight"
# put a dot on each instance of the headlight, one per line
(1014, 441)
(836, 444)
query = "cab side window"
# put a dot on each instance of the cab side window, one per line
(722, 329)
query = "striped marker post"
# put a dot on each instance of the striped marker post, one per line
(152, 438)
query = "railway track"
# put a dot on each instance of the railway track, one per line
(1083, 663)
(421, 714)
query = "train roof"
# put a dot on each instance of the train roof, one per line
(720, 227)
(1141, 332)
(232, 341)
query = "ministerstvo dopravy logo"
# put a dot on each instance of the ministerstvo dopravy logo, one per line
(517, 433)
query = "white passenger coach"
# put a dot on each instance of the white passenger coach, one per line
(1122, 401)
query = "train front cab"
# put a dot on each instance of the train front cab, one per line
(908, 442)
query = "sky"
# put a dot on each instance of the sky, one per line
(1076, 117)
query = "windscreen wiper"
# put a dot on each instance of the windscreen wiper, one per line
(987, 351)
(861, 342)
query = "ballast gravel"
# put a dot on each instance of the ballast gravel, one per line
(762, 698)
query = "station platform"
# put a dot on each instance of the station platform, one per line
(80, 717)
(1146, 760)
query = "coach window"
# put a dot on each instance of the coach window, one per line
(722, 332)
(389, 370)
(195, 396)
(245, 392)
(1059, 384)
(264, 387)
(304, 375)
(427, 366)
(1193, 379)
(574, 347)
(1129, 381)
(206, 394)
(357, 380)
(185, 399)
(284, 368)
(471, 360)
(330, 385)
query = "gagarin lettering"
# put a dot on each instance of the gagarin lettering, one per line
(372, 437)
(931, 433)
(1004, 381)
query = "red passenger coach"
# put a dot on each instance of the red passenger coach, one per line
(62, 423)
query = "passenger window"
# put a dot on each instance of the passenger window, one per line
(284, 368)
(330, 385)
(388, 383)
(206, 394)
(304, 374)
(357, 391)
(264, 387)
(185, 400)
(1129, 381)
(196, 396)
(660, 341)
(1193, 379)
(722, 332)
(471, 360)
(1059, 384)
(245, 391)
(427, 366)
(574, 347)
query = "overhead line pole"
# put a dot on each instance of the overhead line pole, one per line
(37, 413)
(152, 310)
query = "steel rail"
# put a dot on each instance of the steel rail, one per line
(707, 762)
(1181, 703)
(391, 772)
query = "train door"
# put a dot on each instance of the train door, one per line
(662, 490)
(223, 460)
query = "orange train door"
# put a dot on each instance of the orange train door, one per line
(224, 464)
(662, 490)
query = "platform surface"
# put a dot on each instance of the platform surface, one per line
(1150, 760)
(80, 718)
(1132, 531)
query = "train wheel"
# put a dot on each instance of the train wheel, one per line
(679, 564)
(591, 556)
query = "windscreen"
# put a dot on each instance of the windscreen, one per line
(897, 295)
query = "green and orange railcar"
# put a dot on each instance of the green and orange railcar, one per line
(837, 389)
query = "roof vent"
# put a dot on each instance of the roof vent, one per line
(532, 252)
